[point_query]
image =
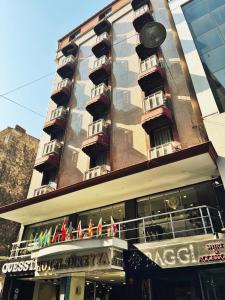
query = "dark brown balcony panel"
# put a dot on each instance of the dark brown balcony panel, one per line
(155, 118)
(102, 48)
(103, 26)
(55, 125)
(151, 79)
(95, 144)
(141, 20)
(144, 52)
(136, 4)
(70, 49)
(101, 73)
(67, 67)
(47, 162)
(98, 105)
(61, 95)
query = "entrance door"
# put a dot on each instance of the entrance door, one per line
(104, 291)
(19, 290)
(213, 284)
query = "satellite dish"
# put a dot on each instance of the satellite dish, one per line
(152, 35)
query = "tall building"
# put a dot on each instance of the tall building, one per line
(17, 156)
(126, 199)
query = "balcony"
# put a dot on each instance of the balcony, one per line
(56, 122)
(66, 67)
(96, 171)
(99, 102)
(103, 26)
(103, 45)
(136, 4)
(142, 16)
(164, 149)
(157, 113)
(44, 189)
(98, 138)
(186, 223)
(151, 74)
(50, 158)
(144, 52)
(61, 94)
(70, 49)
(101, 70)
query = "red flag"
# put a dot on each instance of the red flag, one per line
(113, 227)
(63, 230)
(56, 234)
(79, 231)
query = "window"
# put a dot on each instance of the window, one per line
(74, 35)
(206, 20)
(161, 136)
(98, 160)
(105, 14)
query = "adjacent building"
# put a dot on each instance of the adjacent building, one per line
(17, 155)
(126, 198)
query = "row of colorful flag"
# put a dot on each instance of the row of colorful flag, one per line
(64, 233)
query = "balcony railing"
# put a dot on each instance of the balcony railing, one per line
(149, 63)
(66, 83)
(67, 60)
(96, 171)
(100, 61)
(200, 220)
(102, 37)
(154, 100)
(58, 113)
(164, 149)
(97, 127)
(142, 10)
(52, 147)
(43, 190)
(98, 90)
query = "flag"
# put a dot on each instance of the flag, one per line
(40, 239)
(90, 229)
(69, 232)
(99, 228)
(113, 227)
(48, 236)
(44, 238)
(79, 231)
(56, 234)
(63, 230)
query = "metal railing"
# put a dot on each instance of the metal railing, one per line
(142, 10)
(59, 112)
(66, 60)
(96, 171)
(53, 146)
(154, 100)
(98, 90)
(164, 149)
(64, 83)
(200, 220)
(149, 63)
(101, 37)
(43, 190)
(99, 126)
(100, 61)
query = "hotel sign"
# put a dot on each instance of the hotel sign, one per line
(185, 254)
(109, 258)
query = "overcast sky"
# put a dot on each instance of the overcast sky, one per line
(29, 30)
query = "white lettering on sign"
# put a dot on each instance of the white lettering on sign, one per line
(173, 256)
(22, 266)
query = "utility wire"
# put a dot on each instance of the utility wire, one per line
(23, 106)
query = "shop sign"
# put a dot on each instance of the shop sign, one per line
(86, 262)
(186, 254)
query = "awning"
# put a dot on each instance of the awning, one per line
(185, 167)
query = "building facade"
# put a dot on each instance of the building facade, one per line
(17, 155)
(127, 191)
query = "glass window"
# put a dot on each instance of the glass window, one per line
(161, 136)
(206, 20)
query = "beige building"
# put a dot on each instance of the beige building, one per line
(126, 196)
